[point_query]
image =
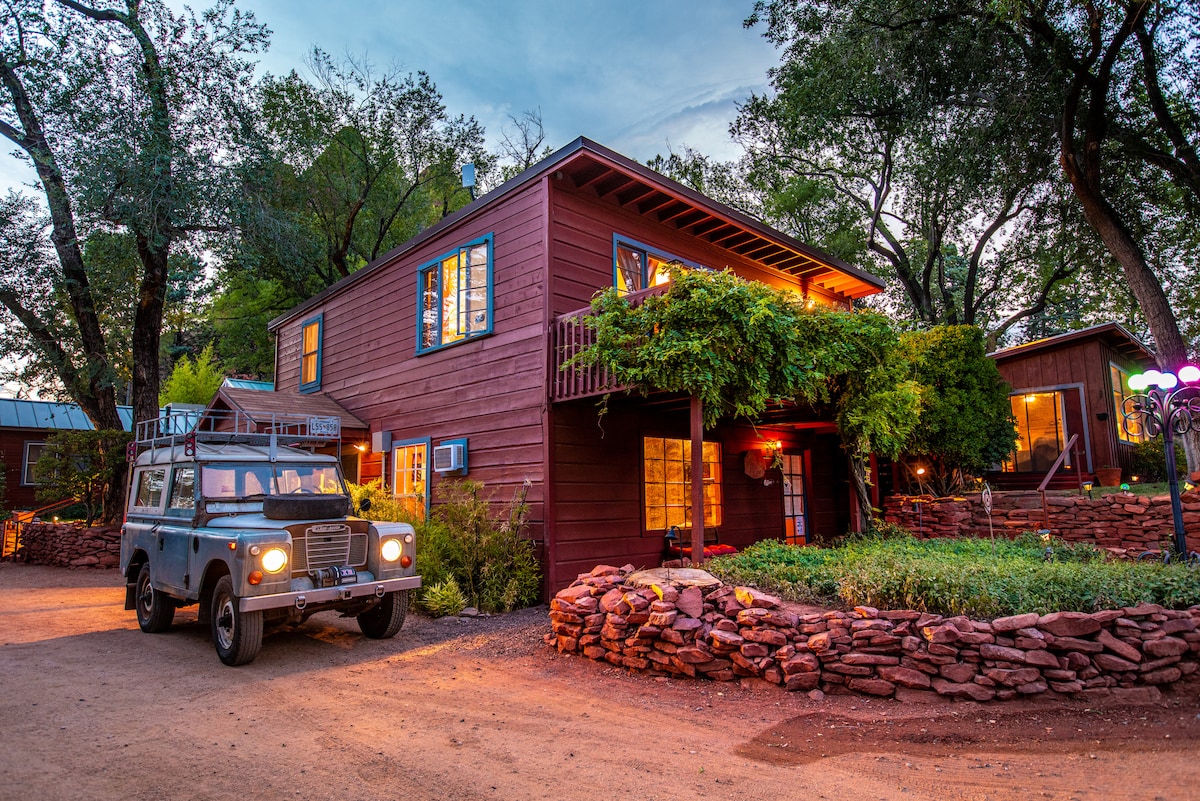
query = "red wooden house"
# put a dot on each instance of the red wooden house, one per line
(449, 349)
(1065, 385)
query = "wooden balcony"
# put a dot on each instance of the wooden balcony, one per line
(569, 335)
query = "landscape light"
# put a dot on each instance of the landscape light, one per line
(1189, 374)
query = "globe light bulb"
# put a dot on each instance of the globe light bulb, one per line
(1168, 381)
(1152, 377)
(1138, 383)
(1189, 374)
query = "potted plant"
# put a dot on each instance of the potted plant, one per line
(1108, 476)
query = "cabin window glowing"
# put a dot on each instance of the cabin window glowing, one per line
(410, 485)
(456, 296)
(667, 477)
(310, 355)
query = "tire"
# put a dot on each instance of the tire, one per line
(155, 610)
(237, 635)
(383, 620)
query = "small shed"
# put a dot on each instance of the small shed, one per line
(1071, 384)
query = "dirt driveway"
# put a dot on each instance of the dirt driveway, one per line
(94, 709)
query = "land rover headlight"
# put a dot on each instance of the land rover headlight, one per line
(274, 560)
(390, 549)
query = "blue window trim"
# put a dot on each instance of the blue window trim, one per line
(315, 384)
(435, 264)
(646, 251)
(428, 443)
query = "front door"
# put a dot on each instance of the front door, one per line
(795, 502)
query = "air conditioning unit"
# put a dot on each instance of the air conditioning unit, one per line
(449, 457)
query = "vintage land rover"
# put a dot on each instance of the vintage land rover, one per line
(244, 517)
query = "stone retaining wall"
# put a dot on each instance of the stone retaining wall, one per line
(71, 545)
(725, 633)
(1120, 521)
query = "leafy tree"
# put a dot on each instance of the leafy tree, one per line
(966, 418)
(238, 319)
(1004, 111)
(84, 465)
(129, 115)
(193, 381)
(866, 129)
(353, 164)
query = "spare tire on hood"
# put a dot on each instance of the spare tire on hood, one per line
(305, 507)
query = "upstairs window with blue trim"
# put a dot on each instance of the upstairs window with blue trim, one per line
(310, 355)
(637, 266)
(455, 294)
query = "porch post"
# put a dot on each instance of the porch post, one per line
(697, 414)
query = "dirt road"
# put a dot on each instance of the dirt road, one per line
(94, 709)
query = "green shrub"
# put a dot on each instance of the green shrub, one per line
(487, 557)
(968, 576)
(444, 598)
(1149, 463)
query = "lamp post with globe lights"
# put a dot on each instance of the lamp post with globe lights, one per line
(1169, 404)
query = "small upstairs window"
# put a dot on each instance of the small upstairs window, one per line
(637, 266)
(310, 355)
(455, 296)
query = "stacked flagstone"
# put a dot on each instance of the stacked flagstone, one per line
(1119, 522)
(725, 633)
(70, 545)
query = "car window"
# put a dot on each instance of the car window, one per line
(244, 480)
(150, 488)
(183, 489)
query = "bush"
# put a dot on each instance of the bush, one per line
(487, 558)
(444, 598)
(1149, 463)
(965, 576)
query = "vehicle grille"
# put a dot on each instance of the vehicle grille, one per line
(315, 550)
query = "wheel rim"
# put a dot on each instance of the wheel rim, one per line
(224, 622)
(145, 597)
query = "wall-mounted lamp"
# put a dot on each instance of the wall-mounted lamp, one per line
(361, 448)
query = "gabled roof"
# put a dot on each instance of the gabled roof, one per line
(50, 415)
(623, 182)
(254, 403)
(1113, 334)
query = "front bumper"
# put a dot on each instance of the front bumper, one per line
(322, 595)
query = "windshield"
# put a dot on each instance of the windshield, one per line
(256, 479)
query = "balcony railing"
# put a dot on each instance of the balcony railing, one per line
(569, 335)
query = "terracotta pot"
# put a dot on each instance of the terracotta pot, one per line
(1109, 476)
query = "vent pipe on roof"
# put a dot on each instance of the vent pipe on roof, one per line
(468, 179)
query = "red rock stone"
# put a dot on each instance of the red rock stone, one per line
(870, 659)
(1162, 676)
(766, 636)
(1118, 647)
(802, 681)
(958, 672)
(1165, 646)
(880, 687)
(820, 642)
(611, 600)
(1000, 653)
(726, 639)
(970, 690)
(748, 596)
(691, 602)
(905, 677)
(1068, 624)
(1014, 622)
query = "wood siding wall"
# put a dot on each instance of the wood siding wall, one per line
(1085, 362)
(489, 390)
(12, 454)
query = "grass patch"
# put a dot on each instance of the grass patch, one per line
(959, 576)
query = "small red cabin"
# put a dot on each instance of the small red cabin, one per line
(1071, 384)
(450, 348)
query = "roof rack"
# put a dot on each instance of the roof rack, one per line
(229, 427)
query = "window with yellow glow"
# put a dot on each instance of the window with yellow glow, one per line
(410, 471)
(1121, 392)
(667, 477)
(1040, 432)
(456, 296)
(310, 355)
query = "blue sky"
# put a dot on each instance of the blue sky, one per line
(639, 76)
